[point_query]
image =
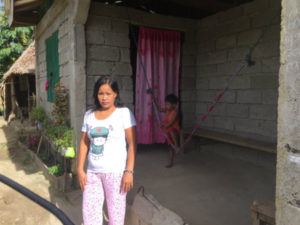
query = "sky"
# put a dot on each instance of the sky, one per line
(1, 4)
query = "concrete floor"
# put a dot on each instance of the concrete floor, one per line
(203, 187)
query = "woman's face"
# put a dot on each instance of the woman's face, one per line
(106, 96)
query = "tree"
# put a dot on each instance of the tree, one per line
(13, 41)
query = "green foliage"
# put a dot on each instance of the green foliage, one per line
(38, 113)
(65, 137)
(60, 107)
(56, 170)
(13, 41)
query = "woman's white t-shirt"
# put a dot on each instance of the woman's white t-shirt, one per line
(107, 150)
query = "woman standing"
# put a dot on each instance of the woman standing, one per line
(109, 142)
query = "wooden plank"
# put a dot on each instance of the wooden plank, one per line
(236, 140)
(263, 211)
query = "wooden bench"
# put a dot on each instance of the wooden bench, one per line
(263, 213)
(236, 140)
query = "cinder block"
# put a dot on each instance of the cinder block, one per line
(272, 33)
(201, 108)
(267, 49)
(229, 97)
(227, 68)
(203, 58)
(125, 55)
(188, 107)
(264, 82)
(246, 125)
(241, 82)
(206, 70)
(103, 53)
(233, 26)
(207, 123)
(255, 6)
(232, 13)
(126, 96)
(119, 26)
(188, 60)
(99, 68)
(249, 37)
(99, 23)
(249, 96)
(65, 70)
(202, 83)
(265, 112)
(270, 96)
(125, 83)
(217, 83)
(189, 72)
(206, 34)
(116, 39)
(237, 54)
(189, 49)
(270, 65)
(122, 69)
(64, 57)
(189, 119)
(208, 21)
(217, 57)
(253, 69)
(188, 84)
(226, 42)
(206, 96)
(269, 128)
(220, 109)
(90, 82)
(207, 46)
(223, 123)
(64, 42)
(238, 110)
(188, 95)
(264, 18)
(94, 37)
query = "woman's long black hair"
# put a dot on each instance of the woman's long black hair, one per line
(114, 86)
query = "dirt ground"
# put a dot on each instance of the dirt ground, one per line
(16, 164)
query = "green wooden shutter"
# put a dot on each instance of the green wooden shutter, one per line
(52, 64)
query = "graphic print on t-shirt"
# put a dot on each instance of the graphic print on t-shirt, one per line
(99, 136)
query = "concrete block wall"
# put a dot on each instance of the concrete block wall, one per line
(249, 107)
(56, 18)
(108, 48)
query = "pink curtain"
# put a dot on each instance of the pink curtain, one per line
(160, 55)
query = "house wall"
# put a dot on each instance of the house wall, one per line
(249, 107)
(108, 43)
(288, 156)
(56, 18)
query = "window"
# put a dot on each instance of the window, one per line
(52, 64)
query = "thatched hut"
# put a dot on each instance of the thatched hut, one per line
(18, 86)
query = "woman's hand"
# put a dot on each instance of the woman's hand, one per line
(81, 176)
(127, 182)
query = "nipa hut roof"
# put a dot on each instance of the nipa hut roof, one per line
(25, 64)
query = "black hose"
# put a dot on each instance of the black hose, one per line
(37, 199)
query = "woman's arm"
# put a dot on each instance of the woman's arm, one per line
(83, 149)
(127, 182)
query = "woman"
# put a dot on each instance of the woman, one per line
(105, 130)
